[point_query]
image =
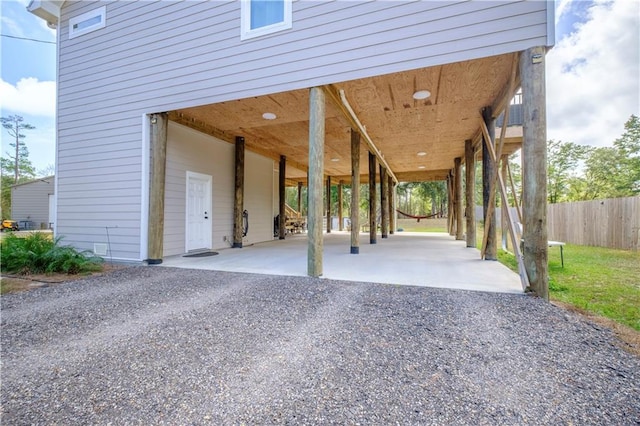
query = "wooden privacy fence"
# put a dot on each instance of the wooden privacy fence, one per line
(612, 223)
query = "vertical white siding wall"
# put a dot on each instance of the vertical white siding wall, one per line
(155, 56)
(30, 201)
(258, 197)
(189, 150)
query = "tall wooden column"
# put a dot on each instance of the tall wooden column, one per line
(372, 199)
(488, 170)
(340, 220)
(282, 212)
(355, 192)
(392, 205)
(504, 217)
(384, 203)
(328, 204)
(238, 198)
(314, 189)
(451, 216)
(300, 198)
(458, 198)
(470, 204)
(534, 170)
(158, 145)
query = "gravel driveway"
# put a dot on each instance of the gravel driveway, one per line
(156, 345)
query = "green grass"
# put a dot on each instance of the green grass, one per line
(40, 254)
(425, 225)
(598, 280)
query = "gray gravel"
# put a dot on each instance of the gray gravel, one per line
(154, 345)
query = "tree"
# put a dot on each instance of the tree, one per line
(18, 162)
(562, 161)
(628, 146)
(603, 174)
(17, 167)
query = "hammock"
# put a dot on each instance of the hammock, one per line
(417, 217)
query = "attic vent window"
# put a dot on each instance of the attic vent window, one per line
(261, 17)
(87, 22)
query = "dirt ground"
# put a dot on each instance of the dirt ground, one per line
(17, 283)
(629, 338)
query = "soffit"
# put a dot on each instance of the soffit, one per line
(399, 125)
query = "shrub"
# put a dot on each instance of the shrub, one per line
(38, 254)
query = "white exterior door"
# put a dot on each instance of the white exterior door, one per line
(199, 214)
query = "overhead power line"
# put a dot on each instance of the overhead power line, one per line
(28, 39)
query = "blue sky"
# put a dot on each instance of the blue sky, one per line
(593, 73)
(27, 87)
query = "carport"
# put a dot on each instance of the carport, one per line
(419, 259)
(417, 125)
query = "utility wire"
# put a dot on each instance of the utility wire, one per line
(28, 39)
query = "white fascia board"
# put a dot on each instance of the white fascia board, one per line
(49, 10)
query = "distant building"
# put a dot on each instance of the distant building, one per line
(33, 203)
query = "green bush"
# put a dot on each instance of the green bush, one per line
(38, 254)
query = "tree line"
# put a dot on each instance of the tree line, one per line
(577, 172)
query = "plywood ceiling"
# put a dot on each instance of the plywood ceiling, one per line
(399, 125)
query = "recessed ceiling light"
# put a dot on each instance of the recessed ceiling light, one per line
(269, 116)
(335, 160)
(421, 94)
(421, 167)
(421, 154)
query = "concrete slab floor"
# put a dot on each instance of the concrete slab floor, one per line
(405, 258)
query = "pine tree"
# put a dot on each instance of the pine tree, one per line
(18, 162)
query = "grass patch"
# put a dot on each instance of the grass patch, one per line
(425, 225)
(40, 254)
(597, 280)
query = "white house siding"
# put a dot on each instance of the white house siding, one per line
(160, 56)
(258, 197)
(189, 150)
(30, 201)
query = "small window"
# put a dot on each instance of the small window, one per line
(87, 22)
(260, 17)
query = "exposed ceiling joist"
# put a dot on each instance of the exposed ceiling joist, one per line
(341, 102)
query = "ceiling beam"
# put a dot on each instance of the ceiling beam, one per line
(340, 101)
(202, 127)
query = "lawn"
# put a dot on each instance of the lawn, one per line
(596, 280)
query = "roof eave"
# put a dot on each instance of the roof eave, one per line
(49, 10)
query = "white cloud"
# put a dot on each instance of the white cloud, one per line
(561, 8)
(11, 27)
(593, 76)
(28, 96)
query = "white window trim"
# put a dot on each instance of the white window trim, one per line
(102, 12)
(245, 21)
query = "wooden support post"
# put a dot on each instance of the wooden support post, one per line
(488, 170)
(158, 145)
(238, 198)
(372, 199)
(451, 216)
(458, 199)
(384, 203)
(314, 188)
(355, 192)
(340, 219)
(470, 179)
(534, 170)
(282, 212)
(300, 198)
(504, 217)
(392, 205)
(328, 204)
